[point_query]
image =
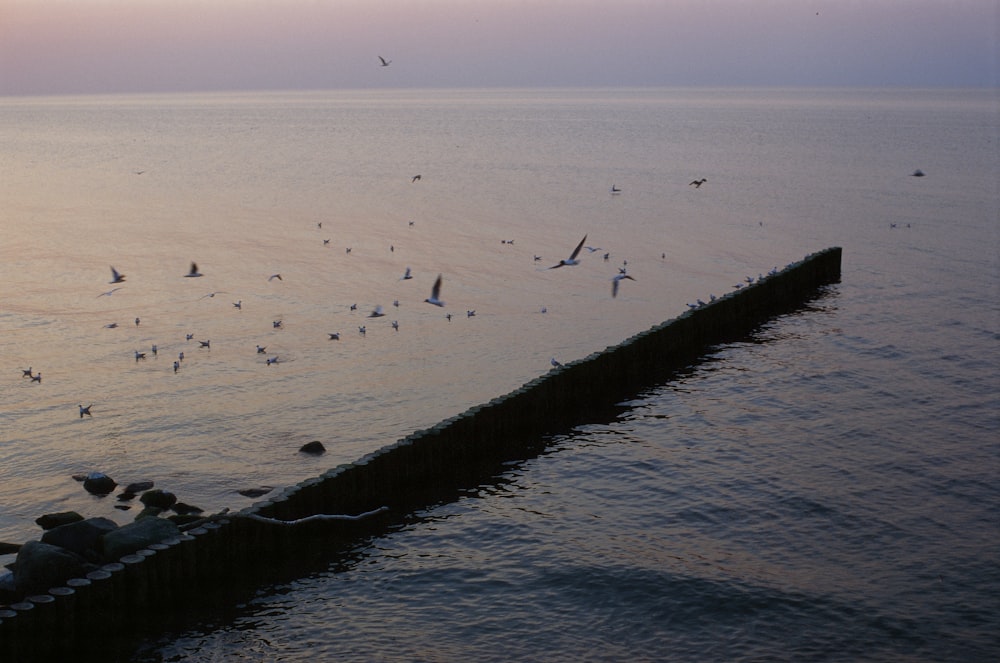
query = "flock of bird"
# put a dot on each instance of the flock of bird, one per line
(118, 279)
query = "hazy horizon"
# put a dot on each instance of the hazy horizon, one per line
(68, 47)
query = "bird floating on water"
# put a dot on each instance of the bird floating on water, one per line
(697, 183)
(572, 257)
(435, 297)
(555, 363)
(193, 272)
(116, 276)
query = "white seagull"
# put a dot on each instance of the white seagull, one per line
(572, 257)
(193, 272)
(116, 276)
(435, 297)
(615, 281)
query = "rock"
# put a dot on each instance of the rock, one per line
(50, 520)
(136, 536)
(137, 487)
(98, 483)
(41, 565)
(162, 499)
(255, 492)
(8, 548)
(315, 447)
(183, 509)
(182, 520)
(82, 537)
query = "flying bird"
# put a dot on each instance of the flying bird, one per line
(435, 297)
(116, 276)
(274, 276)
(193, 272)
(86, 410)
(334, 336)
(385, 63)
(415, 178)
(697, 183)
(26, 372)
(109, 292)
(615, 189)
(37, 377)
(377, 312)
(407, 275)
(572, 258)
(615, 281)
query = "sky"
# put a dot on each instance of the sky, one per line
(51, 47)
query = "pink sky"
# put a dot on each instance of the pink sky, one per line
(102, 46)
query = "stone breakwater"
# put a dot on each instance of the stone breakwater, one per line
(226, 554)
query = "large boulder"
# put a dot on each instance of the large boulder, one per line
(82, 537)
(40, 566)
(51, 520)
(136, 536)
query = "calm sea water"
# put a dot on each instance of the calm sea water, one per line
(825, 490)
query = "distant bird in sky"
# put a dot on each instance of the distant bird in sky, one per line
(193, 272)
(435, 297)
(615, 189)
(274, 276)
(385, 63)
(697, 183)
(572, 258)
(116, 276)
(415, 178)
(86, 410)
(616, 280)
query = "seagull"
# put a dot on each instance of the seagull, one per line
(37, 377)
(354, 307)
(177, 365)
(377, 312)
(415, 178)
(697, 183)
(193, 272)
(615, 189)
(361, 329)
(572, 258)
(26, 372)
(471, 313)
(139, 355)
(395, 325)
(111, 325)
(447, 316)
(385, 63)
(154, 349)
(180, 356)
(272, 361)
(137, 322)
(615, 281)
(205, 344)
(261, 349)
(592, 249)
(274, 276)
(325, 242)
(238, 305)
(435, 297)
(334, 336)
(395, 303)
(407, 275)
(116, 276)
(554, 363)
(86, 410)
(276, 324)
(109, 292)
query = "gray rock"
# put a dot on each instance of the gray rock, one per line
(50, 520)
(82, 537)
(315, 447)
(161, 499)
(40, 566)
(98, 483)
(137, 535)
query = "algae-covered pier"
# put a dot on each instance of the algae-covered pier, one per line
(226, 553)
